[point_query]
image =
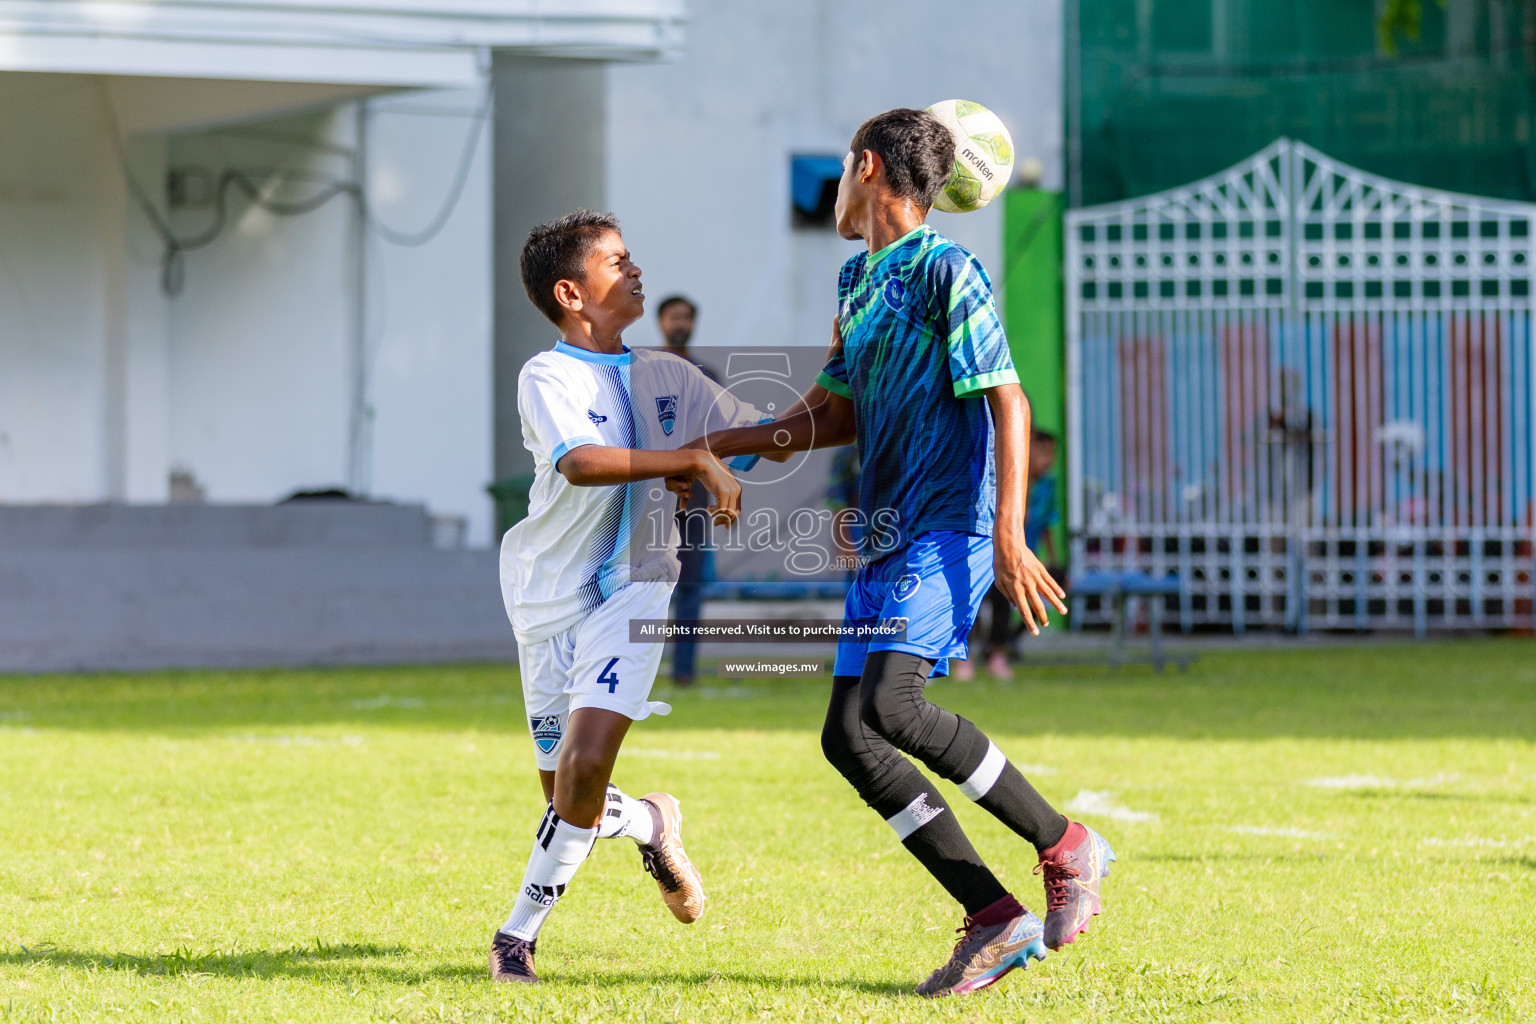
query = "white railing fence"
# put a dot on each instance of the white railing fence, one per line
(1306, 390)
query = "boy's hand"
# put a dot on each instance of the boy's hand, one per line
(1023, 579)
(682, 486)
(723, 485)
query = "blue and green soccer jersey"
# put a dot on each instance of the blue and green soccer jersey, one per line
(921, 341)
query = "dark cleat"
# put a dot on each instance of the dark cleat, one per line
(985, 953)
(512, 959)
(1073, 869)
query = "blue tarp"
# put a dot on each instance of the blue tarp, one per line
(808, 175)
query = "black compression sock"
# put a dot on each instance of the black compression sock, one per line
(893, 704)
(1017, 804)
(928, 828)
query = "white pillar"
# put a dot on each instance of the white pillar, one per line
(550, 158)
(146, 364)
(134, 420)
(113, 205)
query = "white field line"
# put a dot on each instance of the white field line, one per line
(1100, 803)
(1493, 844)
(1379, 782)
(386, 701)
(1285, 833)
(726, 692)
(300, 741)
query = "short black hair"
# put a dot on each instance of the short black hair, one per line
(558, 251)
(916, 148)
(672, 300)
(1043, 435)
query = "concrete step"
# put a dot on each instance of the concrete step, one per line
(213, 606)
(306, 524)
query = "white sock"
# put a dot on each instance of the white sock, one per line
(558, 850)
(623, 815)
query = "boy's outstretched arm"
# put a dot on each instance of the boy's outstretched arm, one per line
(819, 419)
(1020, 575)
(593, 465)
(827, 425)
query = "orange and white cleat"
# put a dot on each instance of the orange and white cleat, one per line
(682, 888)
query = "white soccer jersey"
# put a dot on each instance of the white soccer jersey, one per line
(581, 544)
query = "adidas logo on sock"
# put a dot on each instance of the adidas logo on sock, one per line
(544, 895)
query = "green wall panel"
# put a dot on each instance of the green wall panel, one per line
(1032, 313)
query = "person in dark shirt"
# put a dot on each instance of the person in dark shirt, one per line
(1039, 516)
(675, 317)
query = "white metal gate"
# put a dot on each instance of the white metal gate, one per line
(1307, 391)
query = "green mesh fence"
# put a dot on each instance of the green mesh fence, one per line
(1173, 90)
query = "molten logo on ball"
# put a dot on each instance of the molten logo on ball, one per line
(983, 156)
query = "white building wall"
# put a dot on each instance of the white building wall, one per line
(429, 378)
(264, 338)
(54, 262)
(246, 377)
(700, 148)
(259, 334)
(138, 424)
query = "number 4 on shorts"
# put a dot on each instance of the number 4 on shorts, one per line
(608, 677)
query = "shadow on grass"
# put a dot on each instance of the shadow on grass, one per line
(692, 979)
(322, 958)
(351, 961)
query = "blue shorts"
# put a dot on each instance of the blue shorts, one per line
(936, 583)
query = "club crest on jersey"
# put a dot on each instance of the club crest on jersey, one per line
(895, 294)
(546, 731)
(907, 586)
(595, 418)
(666, 411)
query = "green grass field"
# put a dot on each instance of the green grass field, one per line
(1309, 834)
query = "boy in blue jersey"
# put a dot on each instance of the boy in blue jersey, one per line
(921, 376)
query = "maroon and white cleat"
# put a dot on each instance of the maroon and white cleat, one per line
(1073, 869)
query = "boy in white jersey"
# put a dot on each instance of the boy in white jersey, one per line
(598, 549)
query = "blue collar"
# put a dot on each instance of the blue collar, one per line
(607, 359)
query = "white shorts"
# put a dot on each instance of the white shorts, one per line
(593, 664)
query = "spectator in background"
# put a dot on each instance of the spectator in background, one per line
(675, 318)
(1039, 517)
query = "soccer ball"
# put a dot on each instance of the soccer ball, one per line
(983, 156)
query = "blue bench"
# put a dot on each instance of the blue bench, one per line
(1121, 588)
